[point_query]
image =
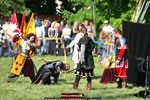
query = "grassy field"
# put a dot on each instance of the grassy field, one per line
(22, 89)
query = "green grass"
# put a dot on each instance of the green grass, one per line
(22, 89)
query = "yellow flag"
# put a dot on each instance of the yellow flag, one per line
(31, 26)
(24, 28)
(31, 29)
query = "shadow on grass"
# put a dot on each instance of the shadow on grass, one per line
(20, 82)
(97, 77)
(62, 80)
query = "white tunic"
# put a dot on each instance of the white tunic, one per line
(76, 47)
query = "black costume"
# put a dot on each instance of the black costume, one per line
(46, 71)
(86, 65)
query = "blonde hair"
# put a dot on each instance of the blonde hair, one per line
(76, 24)
(53, 24)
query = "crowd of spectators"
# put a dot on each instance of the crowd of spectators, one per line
(49, 34)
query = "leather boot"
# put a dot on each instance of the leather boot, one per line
(124, 84)
(89, 86)
(75, 86)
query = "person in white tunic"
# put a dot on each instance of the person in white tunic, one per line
(75, 56)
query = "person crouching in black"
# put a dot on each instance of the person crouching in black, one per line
(50, 69)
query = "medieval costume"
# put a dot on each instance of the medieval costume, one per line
(121, 56)
(47, 70)
(86, 65)
(23, 62)
(75, 48)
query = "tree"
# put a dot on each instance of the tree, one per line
(8, 6)
(42, 7)
(113, 10)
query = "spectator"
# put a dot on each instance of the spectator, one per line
(90, 29)
(60, 32)
(107, 29)
(106, 34)
(52, 34)
(7, 30)
(57, 25)
(36, 21)
(66, 34)
(45, 41)
(75, 29)
(2, 40)
(39, 33)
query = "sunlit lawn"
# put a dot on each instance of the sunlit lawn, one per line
(22, 89)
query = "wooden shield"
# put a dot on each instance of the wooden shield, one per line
(18, 64)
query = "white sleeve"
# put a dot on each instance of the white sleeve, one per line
(43, 31)
(76, 40)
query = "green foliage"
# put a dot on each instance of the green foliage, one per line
(22, 89)
(40, 7)
(84, 14)
(113, 10)
(8, 6)
(81, 14)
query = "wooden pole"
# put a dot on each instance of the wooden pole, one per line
(65, 59)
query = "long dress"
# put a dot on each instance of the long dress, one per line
(86, 66)
(121, 55)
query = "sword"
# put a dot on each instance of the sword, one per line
(71, 70)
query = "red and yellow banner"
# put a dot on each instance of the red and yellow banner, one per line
(31, 26)
(23, 24)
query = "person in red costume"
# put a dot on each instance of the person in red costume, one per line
(121, 59)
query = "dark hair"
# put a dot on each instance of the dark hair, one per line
(16, 39)
(81, 25)
(6, 20)
(117, 30)
(66, 67)
(84, 30)
(30, 35)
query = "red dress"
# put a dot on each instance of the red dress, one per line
(121, 55)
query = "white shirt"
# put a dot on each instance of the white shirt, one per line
(67, 31)
(107, 29)
(40, 31)
(76, 47)
(6, 28)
